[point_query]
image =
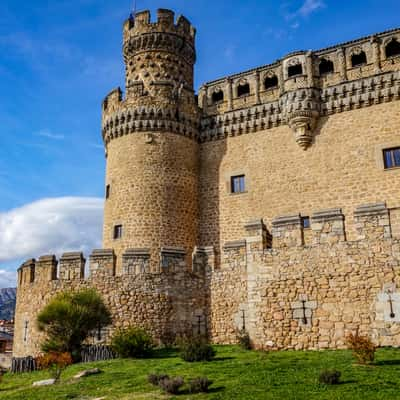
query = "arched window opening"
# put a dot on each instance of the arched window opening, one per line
(271, 82)
(294, 70)
(217, 96)
(243, 90)
(326, 67)
(392, 49)
(357, 60)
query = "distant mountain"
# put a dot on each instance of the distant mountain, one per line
(7, 303)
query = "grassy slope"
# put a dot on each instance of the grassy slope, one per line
(236, 374)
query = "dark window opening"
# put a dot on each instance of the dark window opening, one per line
(217, 96)
(238, 184)
(107, 191)
(243, 90)
(271, 82)
(117, 231)
(391, 157)
(295, 70)
(325, 67)
(392, 49)
(358, 60)
(305, 222)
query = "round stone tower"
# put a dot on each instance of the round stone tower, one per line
(151, 145)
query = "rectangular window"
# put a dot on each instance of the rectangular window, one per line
(107, 191)
(117, 231)
(238, 184)
(391, 157)
(305, 222)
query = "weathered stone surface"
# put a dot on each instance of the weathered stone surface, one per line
(46, 382)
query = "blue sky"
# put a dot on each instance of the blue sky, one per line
(60, 58)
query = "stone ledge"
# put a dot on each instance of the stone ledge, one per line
(102, 253)
(236, 244)
(173, 251)
(254, 224)
(328, 215)
(286, 220)
(136, 253)
(72, 256)
(48, 258)
(371, 209)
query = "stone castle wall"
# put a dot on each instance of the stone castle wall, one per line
(286, 294)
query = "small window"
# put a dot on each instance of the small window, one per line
(294, 70)
(357, 60)
(391, 157)
(237, 184)
(392, 49)
(243, 90)
(271, 82)
(305, 222)
(217, 96)
(107, 191)
(325, 67)
(117, 231)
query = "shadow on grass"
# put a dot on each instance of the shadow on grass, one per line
(222, 359)
(210, 391)
(387, 362)
(165, 353)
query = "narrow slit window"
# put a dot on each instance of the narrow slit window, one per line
(294, 70)
(238, 184)
(107, 191)
(271, 82)
(305, 222)
(117, 231)
(243, 90)
(391, 157)
(392, 49)
(357, 60)
(217, 96)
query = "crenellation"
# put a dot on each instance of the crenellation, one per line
(136, 261)
(102, 263)
(328, 226)
(287, 231)
(72, 266)
(46, 269)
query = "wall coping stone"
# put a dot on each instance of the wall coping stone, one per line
(102, 253)
(136, 252)
(328, 215)
(371, 209)
(254, 224)
(173, 251)
(205, 249)
(72, 256)
(47, 258)
(234, 244)
(287, 220)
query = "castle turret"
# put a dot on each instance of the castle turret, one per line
(151, 145)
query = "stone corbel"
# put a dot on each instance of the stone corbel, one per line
(303, 124)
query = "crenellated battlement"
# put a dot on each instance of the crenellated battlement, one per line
(141, 24)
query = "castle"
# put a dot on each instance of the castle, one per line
(269, 202)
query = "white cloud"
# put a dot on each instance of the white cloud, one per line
(309, 7)
(7, 278)
(50, 226)
(50, 135)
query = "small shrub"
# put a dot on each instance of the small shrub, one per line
(362, 347)
(54, 362)
(155, 379)
(330, 377)
(243, 339)
(196, 349)
(132, 342)
(171, 385)
(199, 385)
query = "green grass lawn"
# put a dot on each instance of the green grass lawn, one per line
(237, 374)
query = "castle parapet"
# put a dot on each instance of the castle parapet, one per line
(287, 231)
(328, 226)
(112, 100)
(203, 259)
(102, 263)
(26, 273)
(136, 261)
(46, 269)
(234, 254)
(72, 266)
(372, 222)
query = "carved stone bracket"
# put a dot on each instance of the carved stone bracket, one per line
(303, 124)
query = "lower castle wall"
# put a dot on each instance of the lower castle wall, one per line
(286, 293)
